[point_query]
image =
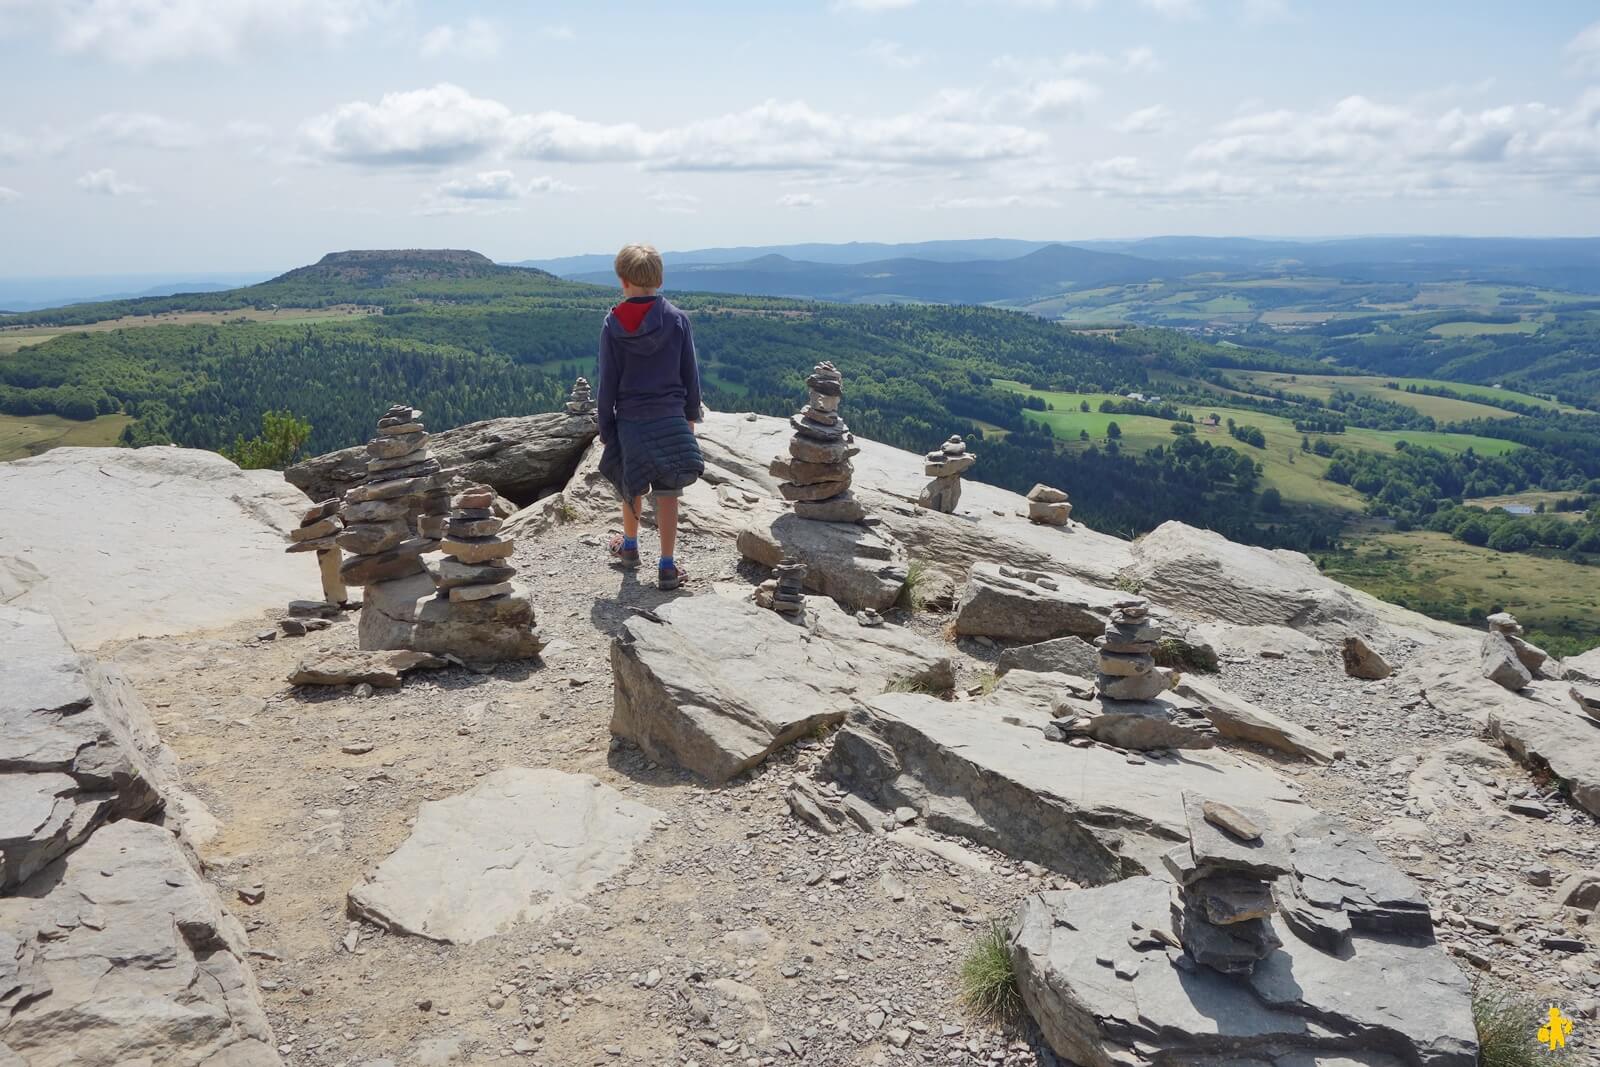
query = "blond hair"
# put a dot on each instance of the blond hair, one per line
(640, 265)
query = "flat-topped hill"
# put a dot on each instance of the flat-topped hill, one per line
(383, 267)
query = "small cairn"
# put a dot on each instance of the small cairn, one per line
(785, 591)
(319, 529)
(1507, 659)
(1127, 668)
(818, 471)
(475, 564)
(403, 478)
(1048, 506)
(945, 465)
(1223, 899)
(581, 400)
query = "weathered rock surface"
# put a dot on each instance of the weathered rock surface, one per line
(1030, 606)
(520, 456)
(1585, 668)
(853, 564)
(1341, 884)
(69, 761)
(1501, 664)
(119, 954)
(1362, 661)
(517, 847)
(407, 614)
(718, 684)
(1387, 1003)
(159, 517)
(381, 670)
(1063, 655)
(1239, 720)
(978, 770)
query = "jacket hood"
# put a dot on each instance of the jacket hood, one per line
(648, 320)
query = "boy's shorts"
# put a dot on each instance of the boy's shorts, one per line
(659, 455)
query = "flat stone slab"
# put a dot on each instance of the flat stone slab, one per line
(978, 769)
(123, 954)
(1016, 605)
(517, 847)
(1063, 655)
(718, 683)
(1387, 1002)
(853, 564)
(1239, 720)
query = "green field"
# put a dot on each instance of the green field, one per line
(1297, 475)
(1477, 329)
(13, 338)
(1440, 576)
(28, 435)
(1443, 408)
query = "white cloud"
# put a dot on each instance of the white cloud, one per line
(1059, 97)
(1137, 60)
(980, 203)
(142, 32)
(1140, 60)
(893, 55)
(13, 149)
(1584, 50)
(499, 185)
(872, 6)
(8, 195)
(141, 129)
(104, 182)
(1156, 118)
(475, 38)
(798, 200)
(1175, 9)
(446, 124)
(674, 203)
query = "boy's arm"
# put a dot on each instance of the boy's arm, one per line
(689, 372)
(610, 377)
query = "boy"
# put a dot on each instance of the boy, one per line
(649, 404)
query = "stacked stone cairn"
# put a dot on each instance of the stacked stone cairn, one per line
(785, 591)
(1127, 667)
(1048, 506)
(319, 530)
(581, 401)
(945, 465)
(403, 480)
(1222, 903)
(476, 562)
(818, 471)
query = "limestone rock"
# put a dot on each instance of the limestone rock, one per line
(1239, 720)
(1360, 661)
(1585, 668)
(1030, 606)
(718, 684)
(517, 847)
(406, 614)
(1064, 655)
(520, 456)
(1501, 665)
(854, 565)
(123, 954)
(381, 670)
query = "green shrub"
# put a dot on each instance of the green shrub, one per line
(1508, 1029)
(988, 982)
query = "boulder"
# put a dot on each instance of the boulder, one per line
(1340, 884)
(381, 670)
(1239, 720)
(1540, 664)
(1581, 890)
(1585, 668)
(1062, 655)
(69, 759)
(983, 770)
(1136, 725)
(1361, 661)
(517, 847)
(121, 542)
(408, 614)
(520, 456)
(1019, 605)
(715, 685)
(1392, 1001)
(854, 565)
(120, 953)
(1501, 665)
(1041, 691)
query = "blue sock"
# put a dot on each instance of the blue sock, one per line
(630, 544)
(666, 562)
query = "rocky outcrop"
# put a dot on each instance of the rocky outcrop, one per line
(854, 565)
(1361, 660)
(1239, 720)
(119, 953)
(1064, 655)
(1500, 663)
(984, 770)
(517, 847)
(714, 685)
(68, 759)
(520, 456)
(1584, 668)
(1019, 605)
(121, 542)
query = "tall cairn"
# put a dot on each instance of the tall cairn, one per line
(319, 530)
(818, 472)
(477, 561)
(403, 479)
(945, 465)
(580, 402)
(1222, 903)
(1127, 667)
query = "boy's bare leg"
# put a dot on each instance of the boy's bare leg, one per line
(630, 518)
(667, 523)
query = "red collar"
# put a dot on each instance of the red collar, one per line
(631, 313)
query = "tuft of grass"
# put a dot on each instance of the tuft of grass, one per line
(913, 683)
(988, 982)
(914, 594)
(1171, 652)
(1128, 584)
(1508, 1029)
(986, 683)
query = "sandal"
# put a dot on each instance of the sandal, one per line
(672, 577)
(628, 557)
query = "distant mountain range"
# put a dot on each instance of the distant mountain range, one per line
(1014, 272)
(33, 294)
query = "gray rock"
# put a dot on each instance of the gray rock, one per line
(125, 953)
(520, 456)
(1336, 870)
(406, 614)
(381, 670)
(1500, 664)
(1239, 720)
(1581, 890)
(1585, 668)
(370, 538)
(1386, 1004)
(1063, 655)
(1360, 661)
(1136, 725)
(1005, 603)
(1218, 850)
(978, 769)
(1043, 691)
(841, 508)
(402, 561)
(517, 847)
(69, 762)
(854, 565)
(941, 494)
(718, 684)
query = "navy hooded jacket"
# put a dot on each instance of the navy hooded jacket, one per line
(649, 371)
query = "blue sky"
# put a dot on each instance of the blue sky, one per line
(217, 135)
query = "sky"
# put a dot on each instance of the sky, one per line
(242, 135)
